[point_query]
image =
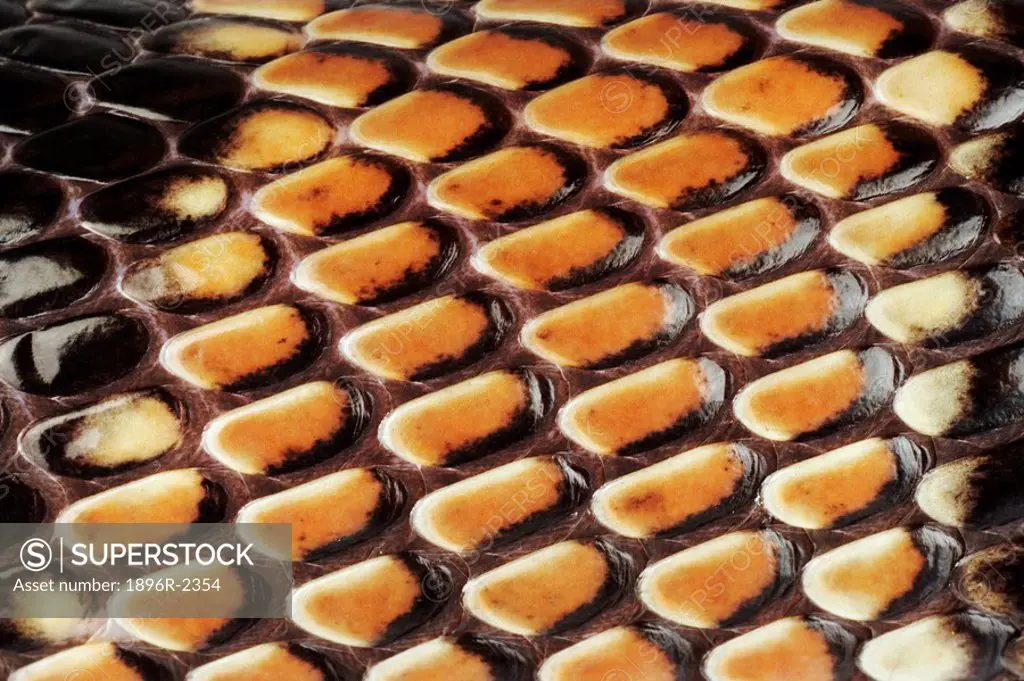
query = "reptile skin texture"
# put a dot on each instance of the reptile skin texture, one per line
(579, 340)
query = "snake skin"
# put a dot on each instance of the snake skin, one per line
(75, 121)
